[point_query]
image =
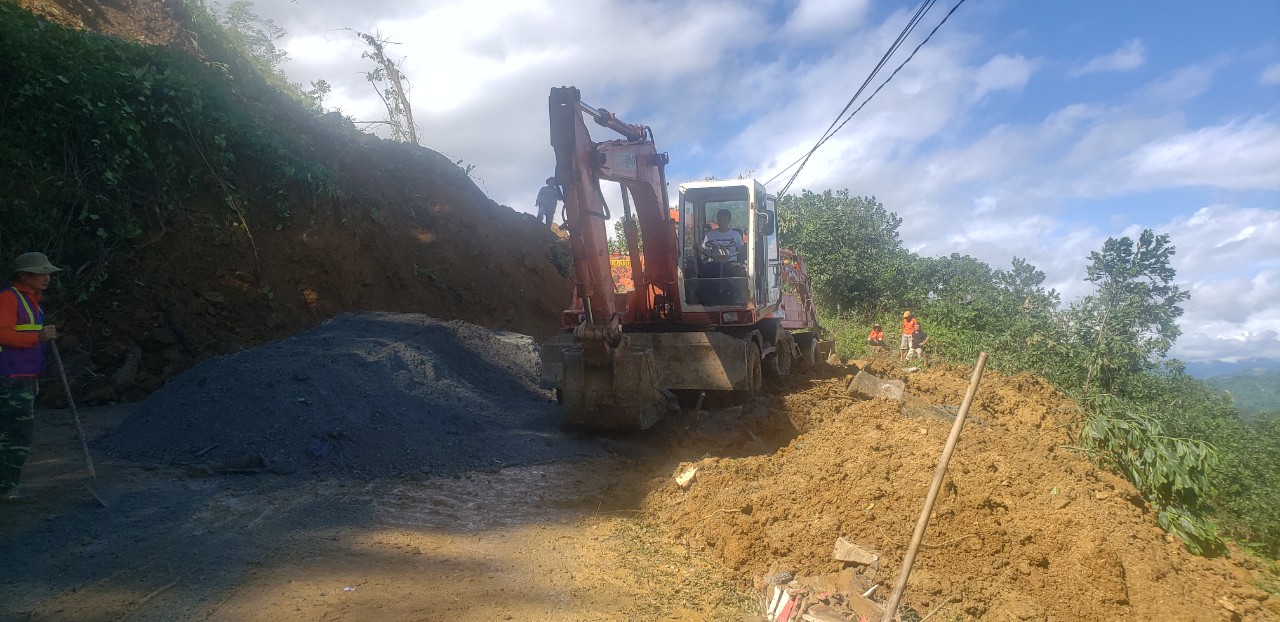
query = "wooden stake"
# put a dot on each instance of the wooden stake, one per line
(891, 608)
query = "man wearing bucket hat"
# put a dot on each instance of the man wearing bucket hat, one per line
(909, 327)
(876, 338)
(548, 197)
(22, 337)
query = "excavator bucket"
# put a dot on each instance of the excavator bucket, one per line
(623, 395)
(634, 390)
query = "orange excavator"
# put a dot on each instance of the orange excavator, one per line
(707, 310)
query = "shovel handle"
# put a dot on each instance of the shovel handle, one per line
(71, 403)
(891, 608)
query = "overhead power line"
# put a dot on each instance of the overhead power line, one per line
(841, 119)
(893, 47)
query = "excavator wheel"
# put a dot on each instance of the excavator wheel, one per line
(755, 372)
(779, 362)
(808, 346)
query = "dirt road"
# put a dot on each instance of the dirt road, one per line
(561, 541)
(1025, 529)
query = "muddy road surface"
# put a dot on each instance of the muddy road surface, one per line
(557, 541)
(378, 467)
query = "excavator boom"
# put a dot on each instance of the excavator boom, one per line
(603, 382)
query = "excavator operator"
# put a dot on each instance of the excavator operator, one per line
(720, 277)
(724, 241)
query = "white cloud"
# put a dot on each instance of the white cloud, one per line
(1232, 318)
(1270, 76)
(1003, 73)
(1179, 86)
(1216, 241)
(1130, 56)
(1236, 156)
(825, 17)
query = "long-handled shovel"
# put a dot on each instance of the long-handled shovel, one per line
(92, 485)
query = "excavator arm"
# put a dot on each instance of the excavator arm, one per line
(633, 162)
(606, 383)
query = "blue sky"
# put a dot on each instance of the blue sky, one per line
(1034, 129)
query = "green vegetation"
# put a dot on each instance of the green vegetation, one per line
(1255, 391)
(104, 142)
(1206, 471)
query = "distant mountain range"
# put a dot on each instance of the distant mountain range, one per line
(1209, 369)
(1254, 391)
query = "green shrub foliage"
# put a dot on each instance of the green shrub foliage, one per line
(103, 140)
(1206, 471)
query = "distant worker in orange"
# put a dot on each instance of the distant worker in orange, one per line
(23, 334)
(876, 338)
(548, 197)
(909, 327)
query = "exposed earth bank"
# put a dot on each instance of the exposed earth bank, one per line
(1025, 528)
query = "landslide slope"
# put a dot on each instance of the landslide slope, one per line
(1024, 528)
(302, 218)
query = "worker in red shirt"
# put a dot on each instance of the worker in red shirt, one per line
(22, 337)
(876, 338)
(909, 327)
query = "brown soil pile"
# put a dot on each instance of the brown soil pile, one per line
(409, 232)
(1024, 529)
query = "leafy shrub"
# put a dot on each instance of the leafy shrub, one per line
(103, 140)
(1172, 473)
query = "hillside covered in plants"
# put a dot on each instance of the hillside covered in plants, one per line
(1210, 472)
(200, 205)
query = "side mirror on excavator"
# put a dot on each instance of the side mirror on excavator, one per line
(764, 223)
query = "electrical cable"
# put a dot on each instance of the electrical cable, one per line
(906, 31)
(827, 136)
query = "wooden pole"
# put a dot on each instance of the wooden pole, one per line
(891, 608)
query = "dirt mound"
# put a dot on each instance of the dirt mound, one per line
(370, 394)
(410, 233)
(1023, 529)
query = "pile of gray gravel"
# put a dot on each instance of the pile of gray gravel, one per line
(368, 394)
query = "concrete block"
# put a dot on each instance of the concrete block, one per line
(871, 387)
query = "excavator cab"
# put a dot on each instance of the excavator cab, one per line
(728, 248)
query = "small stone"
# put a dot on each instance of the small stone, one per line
(847, 551)
(214, 297)
(1061, 502)
(685, 479)
(1101, 494)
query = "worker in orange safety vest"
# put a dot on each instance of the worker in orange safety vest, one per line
(876, 338)
(909, 327)
(23, 334)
